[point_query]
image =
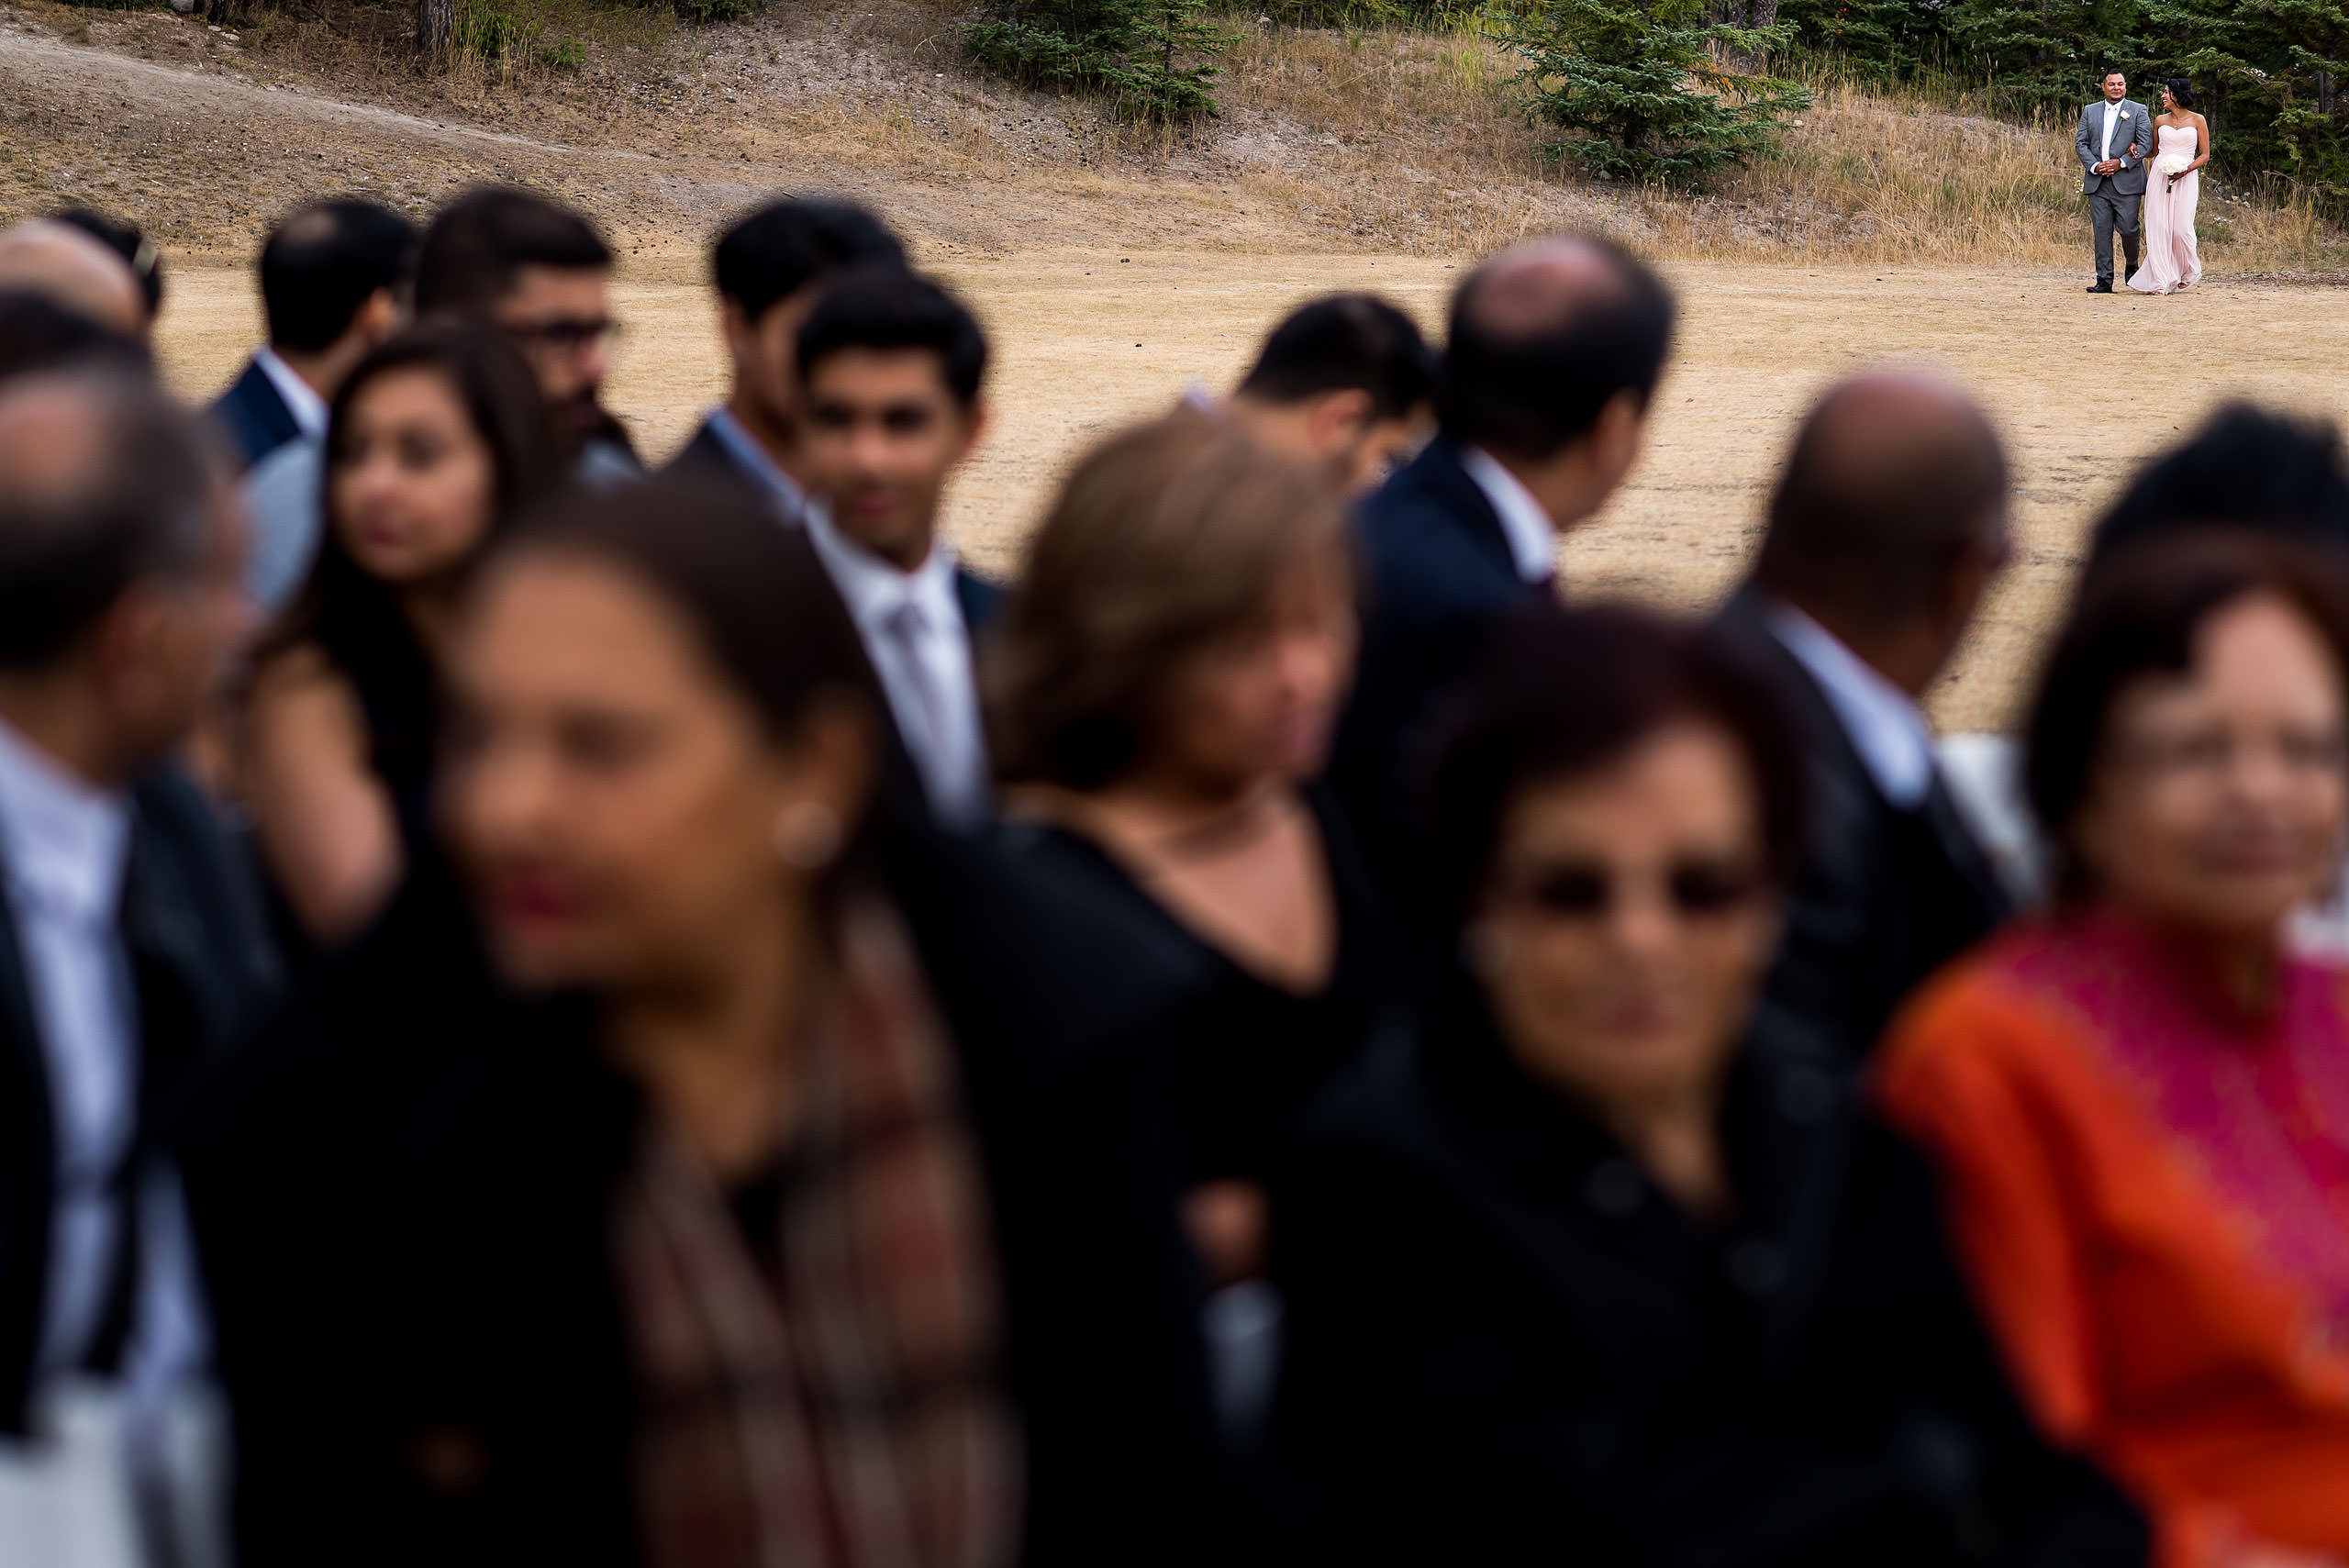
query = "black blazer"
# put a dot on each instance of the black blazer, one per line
(706, 459)
(202, 973)
(405, 1206)
(1438, 576)
(1884, 896)
(1506, 1345)
(254, 415)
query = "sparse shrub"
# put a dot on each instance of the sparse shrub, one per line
(1153, 59)
(564, 54)
(1645, 85)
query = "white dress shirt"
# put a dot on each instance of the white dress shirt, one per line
(65, 845)
(790, 500)
(1886, 726)
(2112, 119)
(302, 400)
(911, 624)
(1532, 541)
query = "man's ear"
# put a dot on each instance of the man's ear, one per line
(129, 646)
(1616, 436)
(379, 318)
(975, 420)
(737, 329)
(1337, 419)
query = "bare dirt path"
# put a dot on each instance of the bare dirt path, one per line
(1088, 340)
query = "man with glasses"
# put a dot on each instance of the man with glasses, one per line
(541, 272)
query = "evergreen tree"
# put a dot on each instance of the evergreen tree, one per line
(1646, 84)
(1151, 58)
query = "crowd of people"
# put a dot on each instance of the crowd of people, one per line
(553, 1011)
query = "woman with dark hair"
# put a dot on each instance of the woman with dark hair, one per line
(1601, 1267)
(2182, 138)
(2139, 1106)
(1161, 692)
(437, 441)
(776, 1195)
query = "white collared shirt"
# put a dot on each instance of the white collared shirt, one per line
(790, 500)
(65, 847)
(302, 399)
(1886, 726)
(2112, 119)
(911, 624)
(1532, 539)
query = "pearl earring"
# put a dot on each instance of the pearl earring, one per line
(808, 835)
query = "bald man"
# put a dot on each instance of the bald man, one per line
(1555, 350)
(130, 957)
(64, 265)
(1887, 527)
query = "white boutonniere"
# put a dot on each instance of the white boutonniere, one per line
(2124, 113)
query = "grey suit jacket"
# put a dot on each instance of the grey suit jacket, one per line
(2138, 127)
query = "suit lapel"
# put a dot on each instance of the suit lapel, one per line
(28, 1166)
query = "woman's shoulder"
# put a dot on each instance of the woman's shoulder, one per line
(291, 669)
(2008, 1008)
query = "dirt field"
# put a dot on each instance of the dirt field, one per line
(2083, 387)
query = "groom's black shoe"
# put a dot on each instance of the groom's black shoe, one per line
(2102, 285)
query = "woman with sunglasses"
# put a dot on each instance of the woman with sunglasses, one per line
(1602, 1267)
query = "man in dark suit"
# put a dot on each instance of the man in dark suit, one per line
(538, 271)
(130, 953)
(890, 367)
(331, 276)
(1345, 384)
(768, 269)
(1555, 352)
(1886, 530)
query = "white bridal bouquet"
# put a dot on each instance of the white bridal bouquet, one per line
(2172, 165)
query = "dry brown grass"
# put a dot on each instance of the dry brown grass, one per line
(1422, 147)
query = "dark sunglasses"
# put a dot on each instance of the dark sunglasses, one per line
(1696, 889)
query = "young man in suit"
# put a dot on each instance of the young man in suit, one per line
(768, 269)
(131, 955)
(1886, 530)
(1555, 349)
(890, 367)
(539, 272)
(2114, 141)
(1345, 384)
(331, 276)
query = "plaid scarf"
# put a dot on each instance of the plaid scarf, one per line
(845, 1412)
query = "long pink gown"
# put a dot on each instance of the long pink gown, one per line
(2172, 260)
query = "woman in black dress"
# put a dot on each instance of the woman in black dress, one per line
(1598, 1266)
(436, 443)
(1161, 693)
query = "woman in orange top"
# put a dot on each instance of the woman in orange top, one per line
(2141, 1105)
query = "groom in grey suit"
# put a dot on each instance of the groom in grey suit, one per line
(2116, 138)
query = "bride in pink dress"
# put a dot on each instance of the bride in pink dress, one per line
(2182, 141)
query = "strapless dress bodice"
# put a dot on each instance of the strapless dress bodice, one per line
(2177, 139)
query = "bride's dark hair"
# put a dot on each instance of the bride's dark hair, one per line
(2181, 92)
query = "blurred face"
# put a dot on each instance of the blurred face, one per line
(2218, 802)
(2116, 87)
(765, 356)
(414, 486)
(1380, 446)
(884, 432)
(169, 642)
(1626, 923)
(561, 318)
(1260, 703)
(616, 802)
